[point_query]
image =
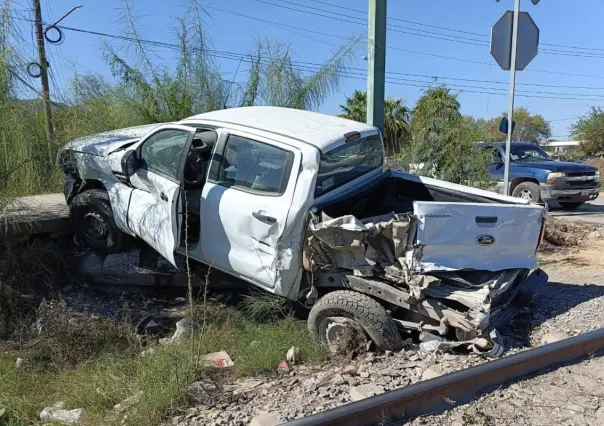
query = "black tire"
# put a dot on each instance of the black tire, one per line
(567, 205)
(362, 310)
(528, 190)
(93, 222)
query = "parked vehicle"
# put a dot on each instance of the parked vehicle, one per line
(536, 177)
(557, 157)
(300, 205)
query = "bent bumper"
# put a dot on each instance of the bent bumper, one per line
(549, 193)
(525, 292)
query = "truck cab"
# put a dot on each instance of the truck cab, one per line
(537, 177)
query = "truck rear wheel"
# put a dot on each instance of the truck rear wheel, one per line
(93, 222)
(330, 315)
(529, 191)
(571, 205)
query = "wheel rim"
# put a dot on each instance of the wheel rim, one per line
(330, 331)
(95, 227)
(525, 194)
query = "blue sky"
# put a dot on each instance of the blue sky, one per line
(575, 24)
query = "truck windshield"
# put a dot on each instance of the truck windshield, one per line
(347, 162)
(528, 153)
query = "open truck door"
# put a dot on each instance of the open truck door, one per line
(156, 206)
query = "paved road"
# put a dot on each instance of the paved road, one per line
(589, 212)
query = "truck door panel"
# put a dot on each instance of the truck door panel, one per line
(245, 205)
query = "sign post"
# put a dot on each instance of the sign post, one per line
(514, 44)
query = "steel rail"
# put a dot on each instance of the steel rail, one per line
(443, 393)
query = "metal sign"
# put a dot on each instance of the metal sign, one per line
(501, 40)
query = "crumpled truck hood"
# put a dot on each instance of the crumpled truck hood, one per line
(103, 144)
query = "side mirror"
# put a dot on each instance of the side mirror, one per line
(130, 163)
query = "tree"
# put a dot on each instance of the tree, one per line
(589, 129)
(477, 128)
(274, 78)
(529, 128)
(396, 119)
(442, 140)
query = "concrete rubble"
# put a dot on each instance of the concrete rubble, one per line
(217, 359)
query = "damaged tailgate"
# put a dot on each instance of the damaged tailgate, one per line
(488, 237)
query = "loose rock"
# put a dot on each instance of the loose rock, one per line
(431, 373)
(554, 336)
(267, 419)
(365, 391)
(128, 402)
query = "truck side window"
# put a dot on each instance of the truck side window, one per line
(162, 151)
(253, 165)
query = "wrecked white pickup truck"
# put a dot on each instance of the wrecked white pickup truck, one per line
(300, 204)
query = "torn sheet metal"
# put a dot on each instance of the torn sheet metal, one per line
(377, 249)
(348, 243)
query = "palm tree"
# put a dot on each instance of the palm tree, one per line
(396, 119)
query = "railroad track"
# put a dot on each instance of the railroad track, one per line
(435, 395)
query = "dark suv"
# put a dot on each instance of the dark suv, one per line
(534, 175)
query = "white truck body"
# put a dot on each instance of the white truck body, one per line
(256, 227)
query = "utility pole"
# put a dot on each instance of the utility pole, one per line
(376, 70)
(508, 141)
(50, 134)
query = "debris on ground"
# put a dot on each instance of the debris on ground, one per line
(292, 354)
(564, 233)
(217, 359)
(184, 328)
(358, 393)
(267, 419)
(59, 414)
(128, 402)
(283, 368)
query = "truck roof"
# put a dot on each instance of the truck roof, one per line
(319, 130)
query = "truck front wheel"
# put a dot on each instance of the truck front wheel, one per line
(332, 312)
(93, 222)
(529, 191)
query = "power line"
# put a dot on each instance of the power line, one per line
(225, 10)
(451, 29)
(405, 30)
(587, 97)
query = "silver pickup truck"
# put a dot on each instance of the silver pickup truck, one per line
(301, 205)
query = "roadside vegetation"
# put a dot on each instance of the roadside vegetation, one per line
(92, 362)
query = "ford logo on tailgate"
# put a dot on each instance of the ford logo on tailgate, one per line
(485, 240)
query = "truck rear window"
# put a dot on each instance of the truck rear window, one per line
(347, 162)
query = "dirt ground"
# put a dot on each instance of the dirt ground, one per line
(571, 303)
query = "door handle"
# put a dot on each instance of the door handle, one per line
(163, 196)
(486, 220)
(264, 218)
